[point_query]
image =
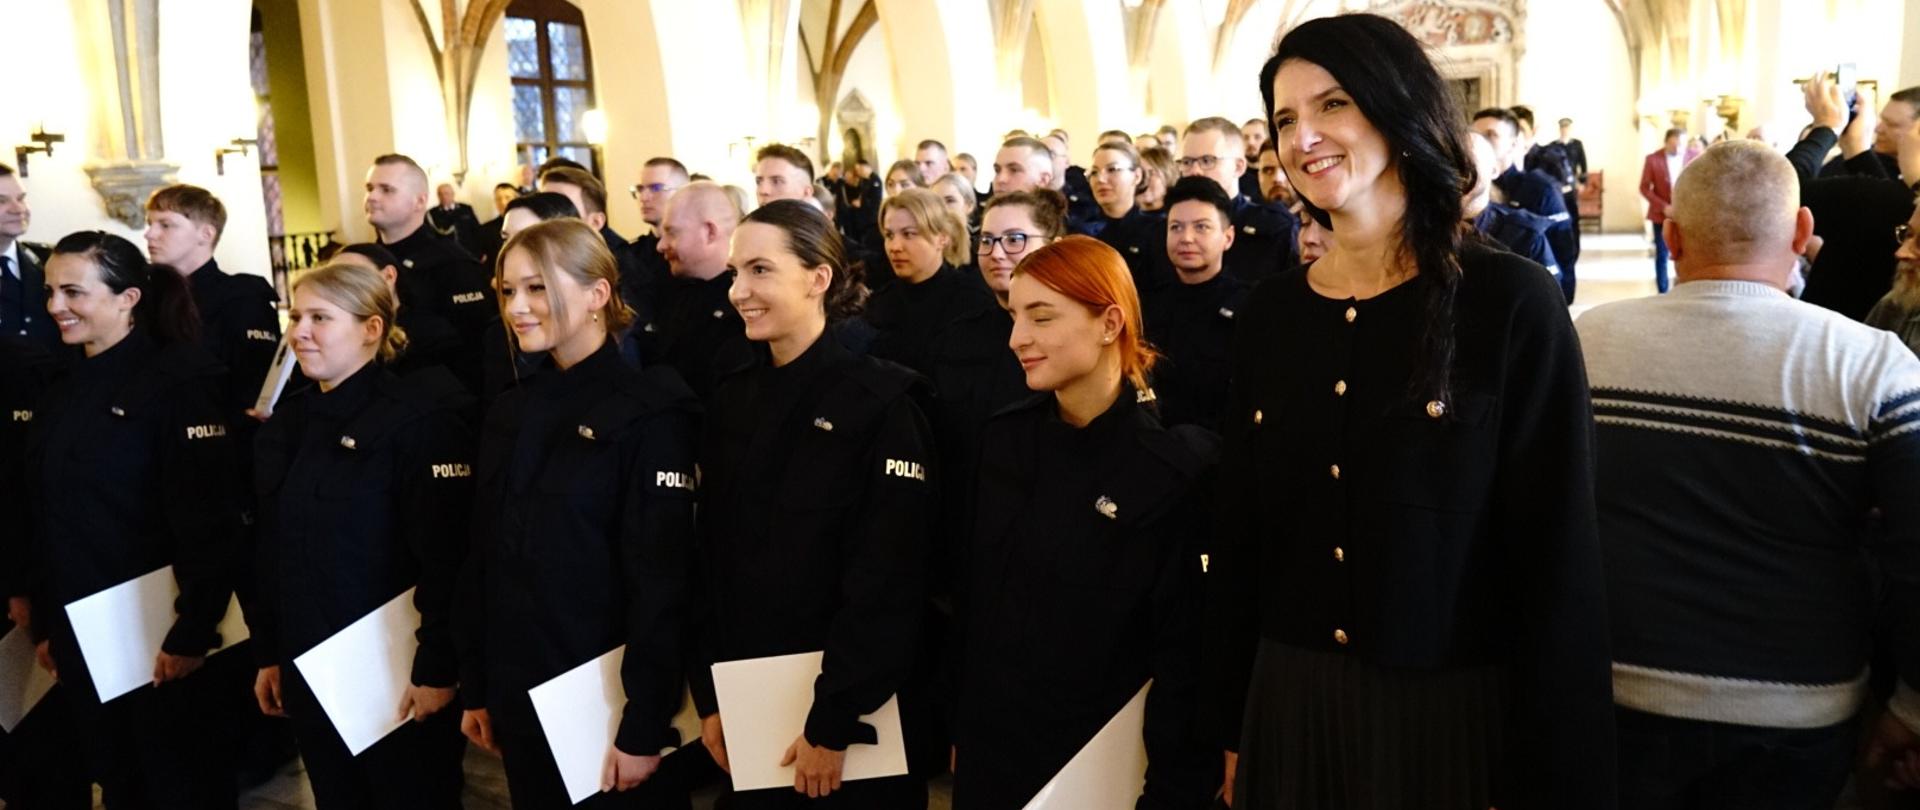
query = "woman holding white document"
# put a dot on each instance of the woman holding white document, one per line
(816, 511)
(357, 475)
(583, 528)
(129, 470)
(1084, 580)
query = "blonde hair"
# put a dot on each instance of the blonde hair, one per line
(931, 215)
(361, 292)
(570, 246)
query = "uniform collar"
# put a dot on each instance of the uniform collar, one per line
(824, 353)
(603, 363)
(346, 397)
(412, 241)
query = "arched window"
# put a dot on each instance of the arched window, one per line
(552, 70)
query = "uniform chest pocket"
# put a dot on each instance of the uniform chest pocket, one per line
(581, 468)
(825, 474)
(1439, 456)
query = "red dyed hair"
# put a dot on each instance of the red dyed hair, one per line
(1088, 271)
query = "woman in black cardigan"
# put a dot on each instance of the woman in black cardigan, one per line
(1411, 490)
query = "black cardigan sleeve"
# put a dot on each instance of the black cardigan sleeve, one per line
(1545, 514)
(1807, 155)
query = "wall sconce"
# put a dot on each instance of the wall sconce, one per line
(45, 139)
(734, 148)
(240, 147)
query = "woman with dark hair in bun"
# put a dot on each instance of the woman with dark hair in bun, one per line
(130, 469)
(1410, 593)
(816, 508)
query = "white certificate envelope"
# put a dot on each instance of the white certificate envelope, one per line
(121, 628)
(579, 712)
(360, 675)
(22, 682)
(277, 376)
(1109, 771)
(763, 706)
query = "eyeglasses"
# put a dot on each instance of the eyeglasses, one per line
(1901, 233)
(1113, 170)
(1014, 243)
(1205, 163)
(655, 188)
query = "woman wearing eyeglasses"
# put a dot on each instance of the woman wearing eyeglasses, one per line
(1140, 237)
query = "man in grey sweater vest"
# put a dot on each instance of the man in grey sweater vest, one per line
(1758, 483)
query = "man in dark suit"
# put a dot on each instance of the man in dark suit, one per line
(1656, 185)
(1576, 151)
(455, 220)
(23, 294)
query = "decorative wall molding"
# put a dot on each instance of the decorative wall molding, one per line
(124, 187)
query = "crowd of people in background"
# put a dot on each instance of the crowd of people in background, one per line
(1285, 422)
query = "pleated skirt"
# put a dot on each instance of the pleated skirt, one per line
(1324, 731)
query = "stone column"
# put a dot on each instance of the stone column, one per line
(129, 155)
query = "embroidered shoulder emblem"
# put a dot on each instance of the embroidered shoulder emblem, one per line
(206, 431)
(674, 480)
(906, 469)
(451, 470)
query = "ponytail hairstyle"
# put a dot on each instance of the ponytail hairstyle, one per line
(362, 293)
(570, 247)
(1047, 208)
(1087, 270)
(813, 240)
(1397, 89)
(165, 310)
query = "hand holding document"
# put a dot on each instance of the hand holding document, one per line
(121, 628)
(579, 712)
(23, 682)
(765, 702)
(1109, 771)
(360, 675)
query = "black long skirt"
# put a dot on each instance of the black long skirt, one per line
(1326, 731)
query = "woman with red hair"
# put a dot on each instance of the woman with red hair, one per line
(1084, 573)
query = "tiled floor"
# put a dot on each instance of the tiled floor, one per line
(1612, 267)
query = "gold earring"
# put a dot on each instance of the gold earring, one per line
(596, 317)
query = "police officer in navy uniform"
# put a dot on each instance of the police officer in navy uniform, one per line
(659, 179)
(583, 527)
(1191, 322)
(1532, 190)
(1516, 229)
(40, 761)
(356, 474)
(432, 341)
(697, 332)
(435, 274)
(1085, 578)
(240, 327)
(816, 512)
(1139, 236)
(1070, 180)
(1263, 239)
(23, 298)
(129, 470)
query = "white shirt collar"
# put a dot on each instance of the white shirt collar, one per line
(13, 257)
